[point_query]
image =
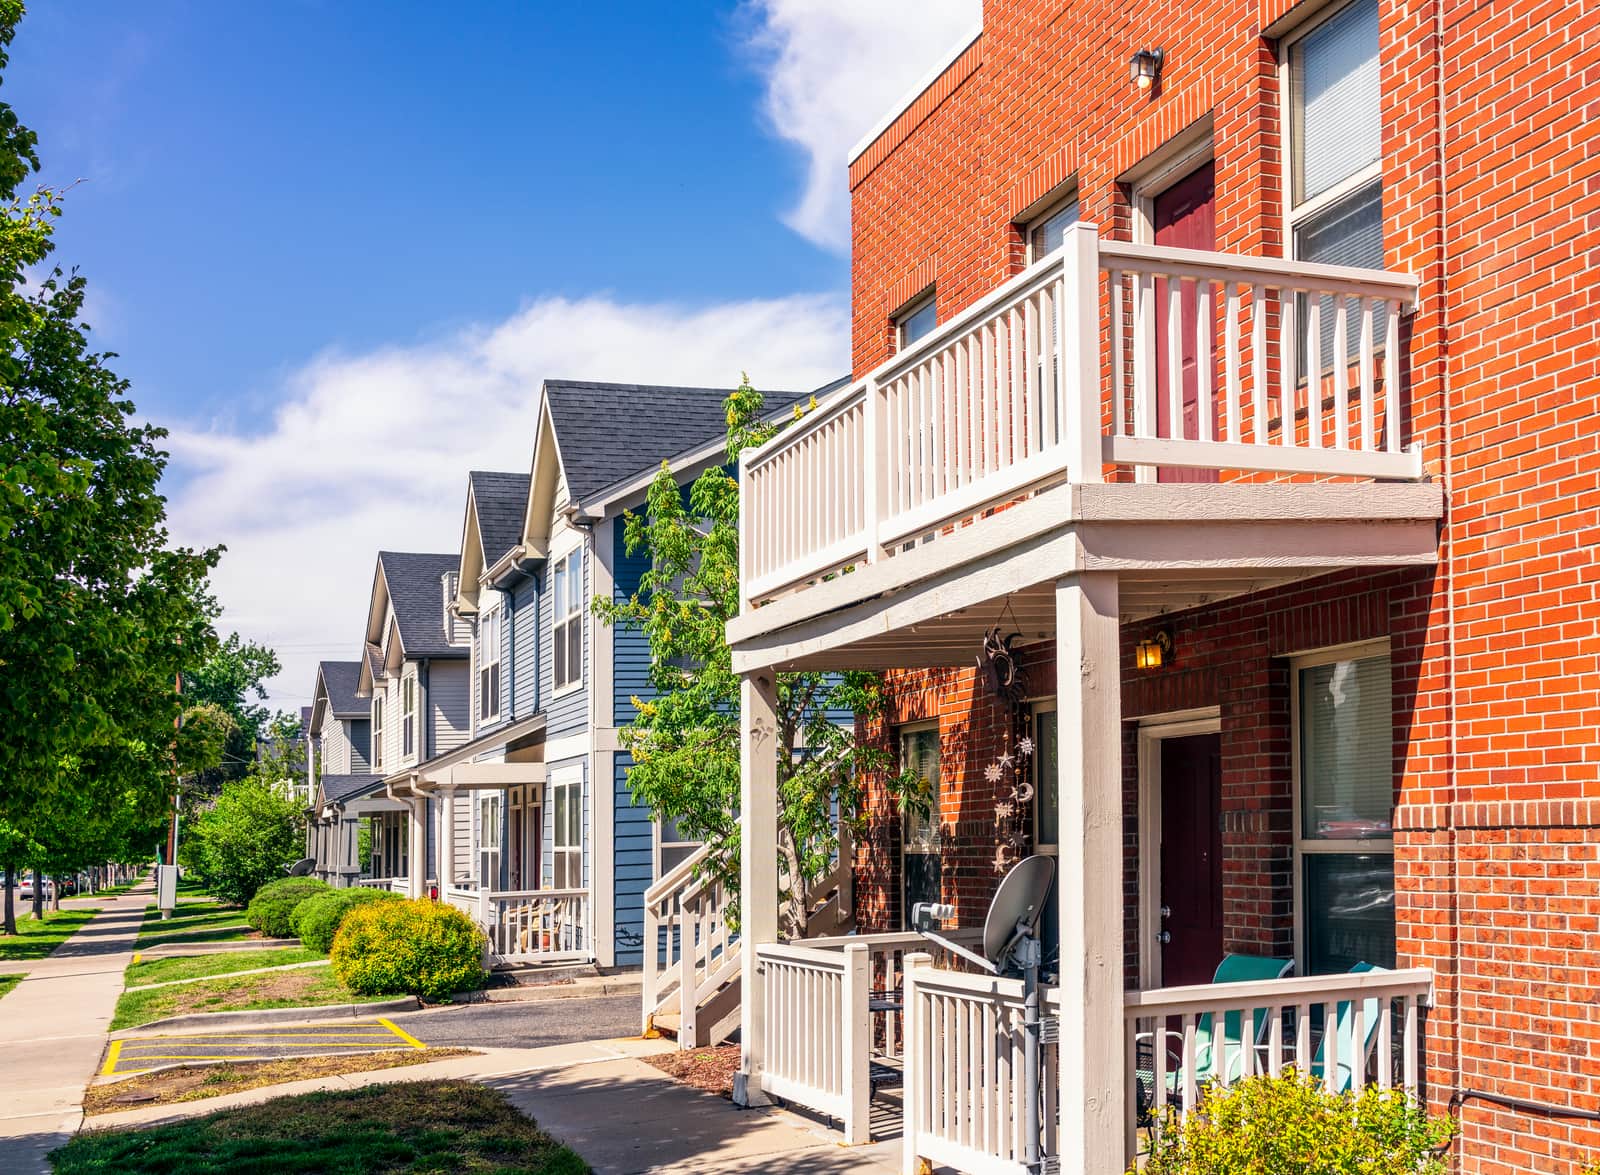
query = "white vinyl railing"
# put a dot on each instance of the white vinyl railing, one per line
(965, 1084)
(1034, 385)
(1347, 1031)
(399, 885)
(465, 900)
(536, 925)
(818, 1030)
(690, 952)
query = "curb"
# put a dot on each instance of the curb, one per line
(326, 1013)
(531, 993)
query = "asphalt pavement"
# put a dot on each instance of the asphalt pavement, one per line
(524, 1024)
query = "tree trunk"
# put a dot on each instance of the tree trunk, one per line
(38, 895)
(11, 893)
(55, 897)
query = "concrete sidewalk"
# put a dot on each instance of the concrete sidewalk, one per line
(53, 1029)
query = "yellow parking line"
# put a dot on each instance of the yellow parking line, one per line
(111, 1059)
(268, 1036)
(137, 955)
(402, 1033)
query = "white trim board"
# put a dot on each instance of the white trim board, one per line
(916, 91)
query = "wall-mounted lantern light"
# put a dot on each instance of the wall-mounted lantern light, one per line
(1154, 651)
(1145, 67)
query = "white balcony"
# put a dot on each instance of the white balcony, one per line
(1061, 375)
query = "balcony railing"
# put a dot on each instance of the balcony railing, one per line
(536, 925)
(1048, 380)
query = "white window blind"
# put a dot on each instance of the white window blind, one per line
(1334, 92)
(1047, 235)
(1346, 750)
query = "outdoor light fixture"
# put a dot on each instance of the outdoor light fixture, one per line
(1154, 651)
(1145, 67)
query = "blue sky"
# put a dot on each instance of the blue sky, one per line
(337, 244)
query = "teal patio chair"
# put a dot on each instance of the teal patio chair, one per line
(1210, 1047)
(1342, 1034)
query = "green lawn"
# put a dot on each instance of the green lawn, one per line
(206, 920)
(7, 982)
(220, 963)
(304, 987)
(36, 939)
(400, 1129)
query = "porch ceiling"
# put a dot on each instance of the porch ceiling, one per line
(1172, 548)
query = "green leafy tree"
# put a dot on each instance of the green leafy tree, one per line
(685, 741)
(252, 832)
(97, 613)
(233, 679)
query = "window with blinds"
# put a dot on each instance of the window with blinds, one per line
(1344, 847)
(566, 862)
(1336, 160)
(1048, 232)
(567, 635)
(489, 663)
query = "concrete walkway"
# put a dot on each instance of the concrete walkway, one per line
(53, 1029)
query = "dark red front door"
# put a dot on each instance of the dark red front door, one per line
(1191, 858)
(1184, 218)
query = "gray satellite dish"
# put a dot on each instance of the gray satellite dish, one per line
(1010, 945)
(303, 866)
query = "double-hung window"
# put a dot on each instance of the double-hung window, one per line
(673, 846)
(567, 602)
(1335, 189)
(489, 629)
(408, 716)
(377, 731)
(566, 862)
(1344, 838)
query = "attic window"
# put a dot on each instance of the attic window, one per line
(408, 717)
(377, 732)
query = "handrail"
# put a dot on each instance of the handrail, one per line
(672, 878)
(1232, 997)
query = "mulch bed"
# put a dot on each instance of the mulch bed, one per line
(709, 1069)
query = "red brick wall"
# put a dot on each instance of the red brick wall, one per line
(1499, 216)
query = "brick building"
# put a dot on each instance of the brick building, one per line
(1390, 764)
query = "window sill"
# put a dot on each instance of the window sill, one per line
(570, 688)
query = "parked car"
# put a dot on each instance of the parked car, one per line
(25, 888)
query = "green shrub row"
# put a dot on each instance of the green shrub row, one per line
(273, 906)
(424, 948)
(316, 919)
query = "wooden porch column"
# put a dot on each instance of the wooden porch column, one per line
(758, 869)
(417, 879)
(447, 839)
(1089, 889)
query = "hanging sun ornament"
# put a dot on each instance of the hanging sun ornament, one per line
(998, 669)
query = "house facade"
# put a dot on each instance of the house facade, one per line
(517, 808)
(1242, 406)
(343, 793)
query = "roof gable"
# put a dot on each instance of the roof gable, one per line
(415, 587)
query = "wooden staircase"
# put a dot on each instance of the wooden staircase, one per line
(692, 958)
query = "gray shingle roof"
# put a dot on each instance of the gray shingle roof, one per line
(501, 499)
(416, 594)
(609, 433)
(339, 679)
(338, 789)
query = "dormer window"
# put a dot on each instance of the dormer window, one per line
(408, 716)
(377, 732)
(489, 624)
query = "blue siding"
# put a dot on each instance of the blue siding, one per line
(522, 645)
(630, 647)
(634, 863)
(570, 711)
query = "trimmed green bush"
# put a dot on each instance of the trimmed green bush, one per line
(273, 906)
(423, 948)
(316, 920)
(1290, 1123)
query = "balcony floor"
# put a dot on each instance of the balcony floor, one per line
(1172, 547)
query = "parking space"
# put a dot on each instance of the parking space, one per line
(137, 1054)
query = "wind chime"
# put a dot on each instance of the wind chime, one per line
(1012, 771)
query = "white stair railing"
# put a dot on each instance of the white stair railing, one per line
(691, 955)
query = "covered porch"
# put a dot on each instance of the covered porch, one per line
(1010, 476)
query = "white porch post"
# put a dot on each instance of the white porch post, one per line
(758, 870)
(417, 878)
(447, 839)
(1089, 891)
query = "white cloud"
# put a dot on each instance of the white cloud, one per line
(371, 451)
(833, 68)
